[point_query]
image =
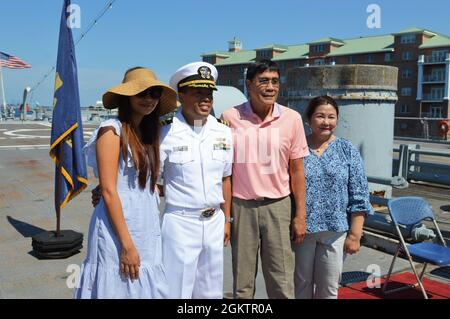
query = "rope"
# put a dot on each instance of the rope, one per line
(107, 7)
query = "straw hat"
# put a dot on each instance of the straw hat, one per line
(137, 81)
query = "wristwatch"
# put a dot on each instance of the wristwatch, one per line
(228, 219)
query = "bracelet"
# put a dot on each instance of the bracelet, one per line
(229, 219)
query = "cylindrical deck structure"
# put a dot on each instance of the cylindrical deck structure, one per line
(366, 95)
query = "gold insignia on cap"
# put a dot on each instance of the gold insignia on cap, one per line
(204, 72)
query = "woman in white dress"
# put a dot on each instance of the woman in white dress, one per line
(124, 243)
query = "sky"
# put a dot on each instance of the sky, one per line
(164, 35)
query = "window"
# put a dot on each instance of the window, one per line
(319, 61)
(438, 75)
(209, 59)
(264, 54)
(407, 56)
(403, 126)
(388, 57)
(408, 38)
(439, 54)
(351, 60)
(319, 48)
(370, 58)
(437, 93)
(436, 111)
(406, 73)
(404, 109)
(406, 91)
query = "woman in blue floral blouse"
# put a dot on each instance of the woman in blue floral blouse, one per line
(337, 201)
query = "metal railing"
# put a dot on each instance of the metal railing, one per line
(432, 97)
(411, 164)
(433, 78)
(425, 128)
(396, 181)
(434, 58)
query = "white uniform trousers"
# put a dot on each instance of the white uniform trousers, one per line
(193, 254)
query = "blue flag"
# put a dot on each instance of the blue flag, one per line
(67, 130)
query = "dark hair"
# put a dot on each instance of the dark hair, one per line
(318, 101)
(145, 150)
(260, 67)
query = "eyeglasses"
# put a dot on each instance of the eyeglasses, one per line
(154, 92)
(266, 81)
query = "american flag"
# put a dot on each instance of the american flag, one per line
(12, 62)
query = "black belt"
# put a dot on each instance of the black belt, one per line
(208, 212)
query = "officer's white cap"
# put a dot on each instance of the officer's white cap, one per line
(196, 74)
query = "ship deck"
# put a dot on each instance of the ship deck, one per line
(26, 208)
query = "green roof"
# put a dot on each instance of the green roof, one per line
(240, 57)
(362, 45)
(277, 47)
(414, 30)
(438, 40)
(326, 40)
(383, 43)
(219, 53)
(293, 52)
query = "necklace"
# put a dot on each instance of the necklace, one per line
(319, 149)
(323, 147)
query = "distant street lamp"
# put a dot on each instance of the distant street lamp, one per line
(24, 105)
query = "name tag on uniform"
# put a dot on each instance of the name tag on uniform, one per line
(180, 148)
(221, 146)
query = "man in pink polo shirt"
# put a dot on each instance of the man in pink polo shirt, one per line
(269, 146)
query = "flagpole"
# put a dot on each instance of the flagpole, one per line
(58, 191)
(66, 126)
(3, 92)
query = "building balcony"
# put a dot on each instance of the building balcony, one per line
(433, 79)
(431, 115)
(430, 59)
(427, 97)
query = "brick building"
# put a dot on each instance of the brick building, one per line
(422, 57)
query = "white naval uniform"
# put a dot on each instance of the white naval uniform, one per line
(193, 165)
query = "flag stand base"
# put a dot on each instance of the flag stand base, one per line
(46, 245)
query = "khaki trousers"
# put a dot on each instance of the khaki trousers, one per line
(262, 227)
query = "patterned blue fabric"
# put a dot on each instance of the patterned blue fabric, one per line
(336, 187)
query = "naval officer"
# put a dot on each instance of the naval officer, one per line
(196, 155)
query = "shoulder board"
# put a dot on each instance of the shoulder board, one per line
(223, 122)
(166, 121)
